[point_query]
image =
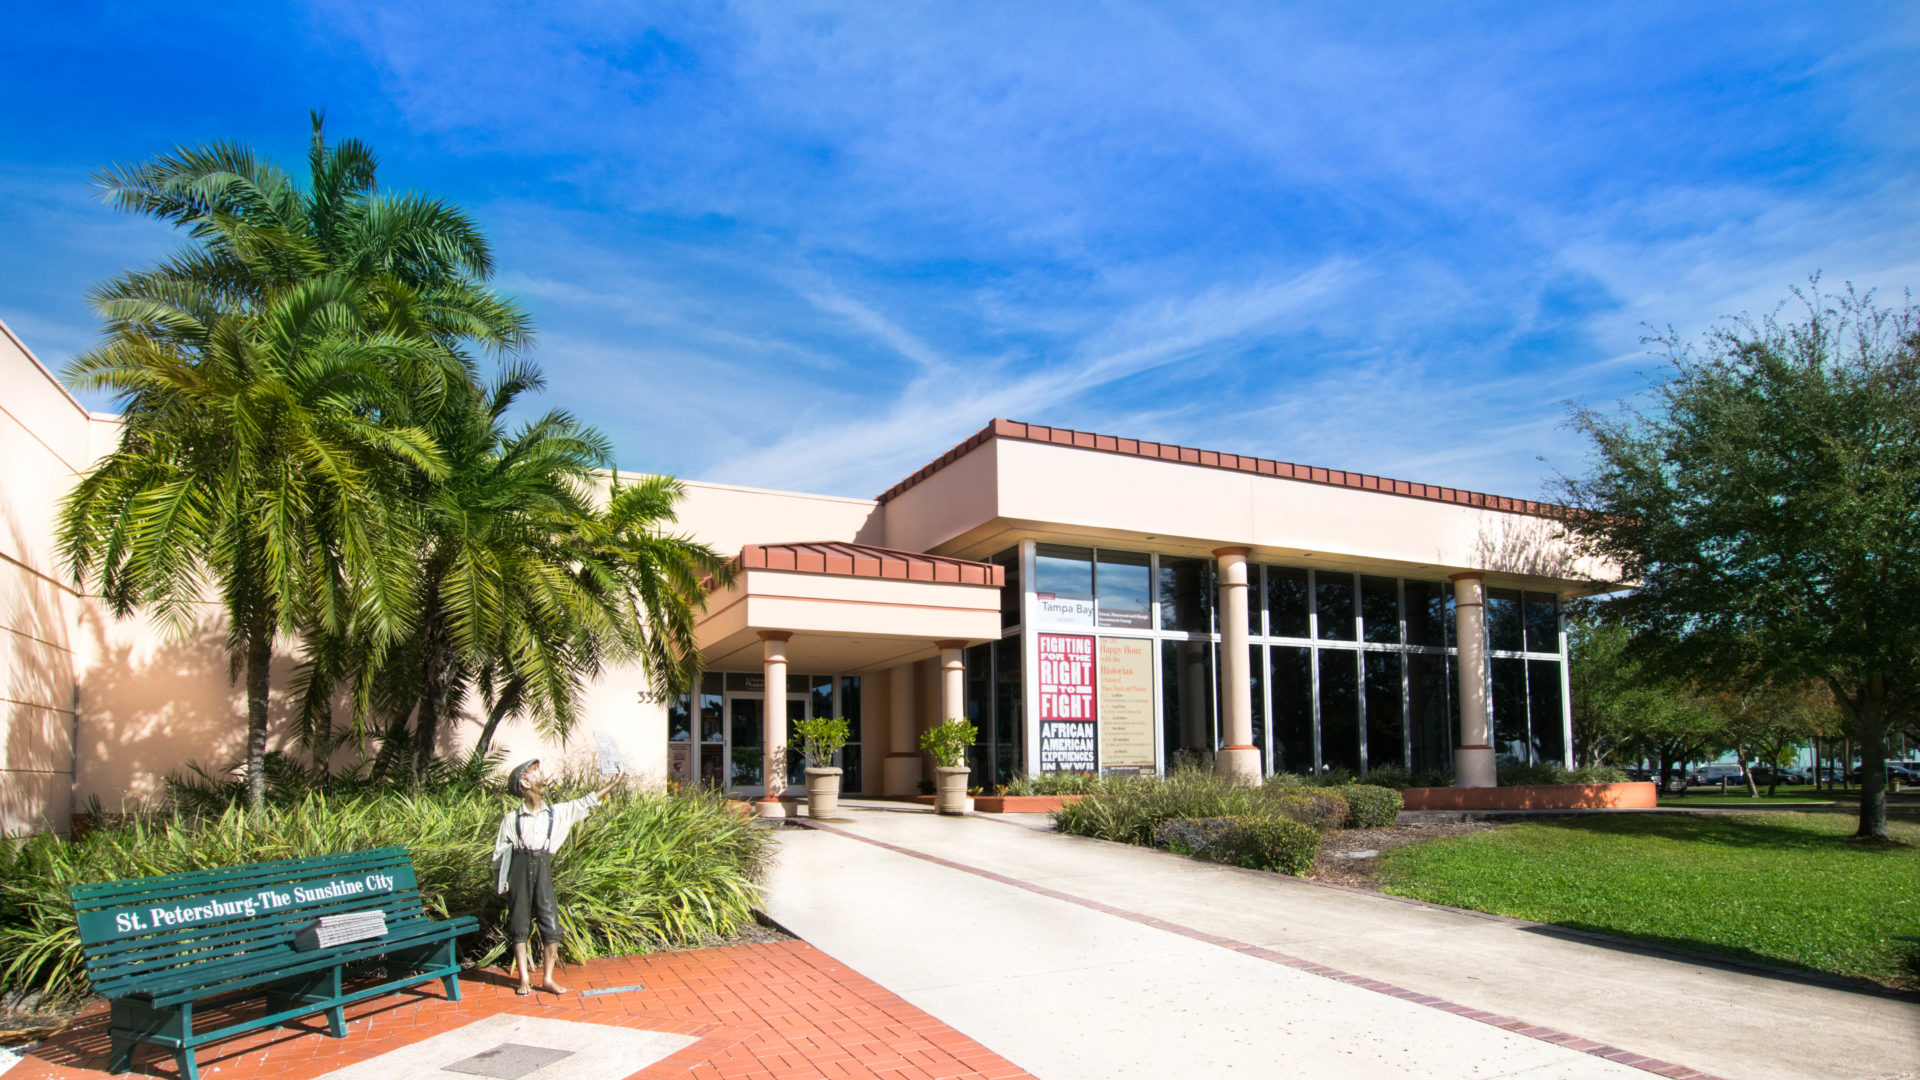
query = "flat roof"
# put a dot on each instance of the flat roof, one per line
(1215, 459)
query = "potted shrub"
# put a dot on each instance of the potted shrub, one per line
(820, 739)
(948, 744)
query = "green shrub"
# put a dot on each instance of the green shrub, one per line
(1545, 772)
(949, 741)
(1322, 809)
(1190, 836)
(1059, 783)
(1431, 778)
(1255, 842)
(1128, 809)
(1262, 843)
(1370, 806)
(1393, 776)
(821, 738)
(1515, 774)
(643, 871)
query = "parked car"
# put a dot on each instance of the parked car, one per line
(1906, 772)
(1764, 775)
(1713, 774)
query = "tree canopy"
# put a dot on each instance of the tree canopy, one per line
(305, 434)
(1763, 505)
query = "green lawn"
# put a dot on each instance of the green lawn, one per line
(1779, 888)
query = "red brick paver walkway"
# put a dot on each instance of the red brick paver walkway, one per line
(785, 1010)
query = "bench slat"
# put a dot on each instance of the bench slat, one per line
(219, 935)
(113, 893)
(238, 901)
(194, 981)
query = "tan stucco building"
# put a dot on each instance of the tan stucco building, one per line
(1089, 601)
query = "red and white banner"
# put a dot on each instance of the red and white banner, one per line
(1069, 708)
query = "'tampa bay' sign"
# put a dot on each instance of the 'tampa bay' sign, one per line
(178, 914)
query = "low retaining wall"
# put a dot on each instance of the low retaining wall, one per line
(1632, 796)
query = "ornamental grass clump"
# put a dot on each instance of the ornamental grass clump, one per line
(1128, 809)
(643, 872)
(1058, 783)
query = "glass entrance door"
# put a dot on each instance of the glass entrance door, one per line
(746, 741)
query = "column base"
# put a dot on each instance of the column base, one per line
(1240, 764)
(769, 807)
(1473, 766)
(901, 774)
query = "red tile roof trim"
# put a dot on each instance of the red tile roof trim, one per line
(864, 560)
(1213, 459)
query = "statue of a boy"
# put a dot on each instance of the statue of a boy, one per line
(523, 865)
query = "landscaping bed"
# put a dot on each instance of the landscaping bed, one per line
(642, 872)
(1276, 826)
(1343, 859)
(1780, 888)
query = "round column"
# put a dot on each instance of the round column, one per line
(953, 680)
(773, 719)
(1473, 764)
(902, 766)
(1237, 760)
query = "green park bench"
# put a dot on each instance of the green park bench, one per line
(157, 947)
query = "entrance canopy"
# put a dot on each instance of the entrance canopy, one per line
(849, 608)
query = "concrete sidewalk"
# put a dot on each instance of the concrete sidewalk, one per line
(1195, 968)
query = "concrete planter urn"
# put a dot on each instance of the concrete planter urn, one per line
(823, 792)
(950, 790)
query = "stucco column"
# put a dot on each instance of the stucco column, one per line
(773, 718)
(1473, 764)
(902, 767)
(1238, 760)
(953, 680)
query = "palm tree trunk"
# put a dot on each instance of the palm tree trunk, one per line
(494, 716)
(438, 656)
(259, 660)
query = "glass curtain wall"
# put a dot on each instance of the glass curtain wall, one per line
(1362, 671)
(1348, 670)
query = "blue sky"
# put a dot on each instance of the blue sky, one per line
(812, 246)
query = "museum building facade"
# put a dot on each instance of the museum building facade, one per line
(1099, 604)
(1090, 602)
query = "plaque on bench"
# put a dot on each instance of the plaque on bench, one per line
(329, 930)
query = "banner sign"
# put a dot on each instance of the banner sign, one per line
(1068, 713)
(175, 914)
(1126, 703)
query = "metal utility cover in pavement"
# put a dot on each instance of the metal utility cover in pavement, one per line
(508, 1061)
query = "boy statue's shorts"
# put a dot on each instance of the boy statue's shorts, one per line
(530, 896)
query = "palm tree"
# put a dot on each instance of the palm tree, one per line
(526, 588)
(274, 378)
(250, 464)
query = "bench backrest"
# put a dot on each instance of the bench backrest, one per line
(131, 930)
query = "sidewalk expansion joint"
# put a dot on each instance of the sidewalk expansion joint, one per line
(1507, 1023)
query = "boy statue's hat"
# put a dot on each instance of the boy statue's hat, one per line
(517, 775)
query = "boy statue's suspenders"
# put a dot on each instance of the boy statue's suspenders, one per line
(519, 836)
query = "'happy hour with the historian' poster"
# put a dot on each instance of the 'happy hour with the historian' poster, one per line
(1067, 704)
(1126, 703)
